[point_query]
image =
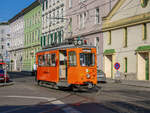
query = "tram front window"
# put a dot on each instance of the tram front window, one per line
(87, 59)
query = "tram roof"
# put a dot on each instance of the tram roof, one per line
(65, 47)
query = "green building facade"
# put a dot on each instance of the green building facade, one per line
(32, 34)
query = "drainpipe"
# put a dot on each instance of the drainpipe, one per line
(110, 5)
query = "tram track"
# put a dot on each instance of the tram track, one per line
(117, 99)
(78, 103)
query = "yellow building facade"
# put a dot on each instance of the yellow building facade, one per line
(127, 40)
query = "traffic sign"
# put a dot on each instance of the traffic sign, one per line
(117, 66)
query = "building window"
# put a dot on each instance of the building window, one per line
(125, 65)
(62, 12)
(81, 21)
(109, 38)
(50, 15)
(78, 20)
(58, 16)
(50, 3)
(125, 37)
(84, 20)
(32, 36)
(38, 34)
(46, 4)
(70, 3)
(97, 45)
(97, 16)
(43, 5)
(144, 31)
(70, 25)
(39, 15)
(36, 18)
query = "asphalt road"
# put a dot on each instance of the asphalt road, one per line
(26, 97)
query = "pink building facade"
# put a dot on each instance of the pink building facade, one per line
(85, 21)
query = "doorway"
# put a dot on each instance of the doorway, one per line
(62, 65)
(143, 66)
(108, 66)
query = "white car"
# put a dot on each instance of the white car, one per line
(101, 77)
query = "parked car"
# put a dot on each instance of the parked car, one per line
(3, 78)
(101, 76)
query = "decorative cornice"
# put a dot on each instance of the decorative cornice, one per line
(114, 10)
(87, 33)
(134, 20)
(26, 47)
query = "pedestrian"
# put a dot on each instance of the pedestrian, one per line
(34, 69)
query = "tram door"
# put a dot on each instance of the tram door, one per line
(62, 65)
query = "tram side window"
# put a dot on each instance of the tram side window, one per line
(53, 59)
(49, 59)
(72, 59)
(46, 60)
(87, 59)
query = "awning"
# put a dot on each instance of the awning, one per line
(109, 51)
(143, 48)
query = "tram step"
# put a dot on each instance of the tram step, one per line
(63, 83)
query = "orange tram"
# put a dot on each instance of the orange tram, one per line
(67, 66)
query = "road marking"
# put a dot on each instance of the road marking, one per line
(54, 101)
(32, 97)
(66, 109)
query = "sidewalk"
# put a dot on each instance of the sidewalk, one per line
(6, 84)
(131, 82)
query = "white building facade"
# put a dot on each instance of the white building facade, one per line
(4, 41)
(53, 22)
(17, 42)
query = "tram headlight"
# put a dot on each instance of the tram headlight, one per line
(88, 76)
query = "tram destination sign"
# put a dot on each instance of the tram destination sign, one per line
(86, 50)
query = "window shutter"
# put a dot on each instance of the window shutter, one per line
(55, 38)
(59, 36)
(52, 38)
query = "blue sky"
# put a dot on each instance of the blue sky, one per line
(9, 8)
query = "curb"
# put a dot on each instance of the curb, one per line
(145, 86)
(130, 83)
(6, 84)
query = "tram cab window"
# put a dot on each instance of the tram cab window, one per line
(47, 62)
(87, 59)
(40, 60)
(72, 59)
